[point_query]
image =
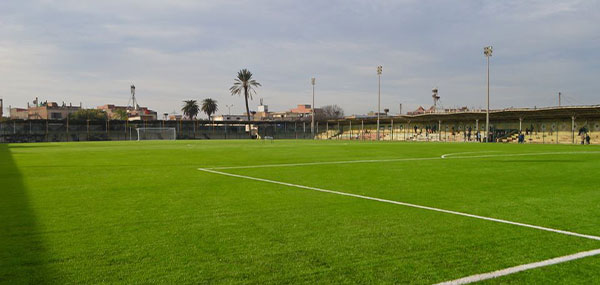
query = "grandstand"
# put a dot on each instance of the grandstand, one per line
(539, 125)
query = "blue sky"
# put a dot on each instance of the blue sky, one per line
(91, 51)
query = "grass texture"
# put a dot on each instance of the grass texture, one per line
(142, 212)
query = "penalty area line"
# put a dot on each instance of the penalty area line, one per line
(519, 268)
(404, 204)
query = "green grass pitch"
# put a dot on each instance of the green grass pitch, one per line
(142, 212)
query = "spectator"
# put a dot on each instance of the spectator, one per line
(587, 138)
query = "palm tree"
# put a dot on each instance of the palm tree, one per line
(244, 83)
(209, 107)
(190, 108)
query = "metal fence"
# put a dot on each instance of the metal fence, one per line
(544, 131)
(64, 130)
(507, 131)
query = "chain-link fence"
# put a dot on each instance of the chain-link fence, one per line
(63, 130)
(543, 131)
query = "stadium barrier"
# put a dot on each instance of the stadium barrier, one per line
(564, 125)
(114, 130)
(534, 131)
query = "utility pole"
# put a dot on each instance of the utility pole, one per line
(400, 109)
(379, 70)
(487, 51)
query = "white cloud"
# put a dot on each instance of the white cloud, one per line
(91, 51)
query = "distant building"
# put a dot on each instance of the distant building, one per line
(43, 111)
(141, 114)
(263, 108)
(361, 116)
(175, 117)
(230, 118)
(301, 112)
(305, 109)
(18, 114)
(373, 114)
(287, 116)
(420, 111)
(112, 110)
(456, 110)
(302, 109)
(432, 109)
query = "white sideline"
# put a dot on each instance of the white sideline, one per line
(519, 268)
(444, 156)
(405, 204)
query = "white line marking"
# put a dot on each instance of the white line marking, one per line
(525, 154)
(512, 270)
(470, 152)
(445, 156)
(404, 204)
(323, 162)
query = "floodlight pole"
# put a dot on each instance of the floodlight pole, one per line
(312, 109)
(379, 70)
(487, 51)
(559, 95)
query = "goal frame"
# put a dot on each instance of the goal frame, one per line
(172, 131)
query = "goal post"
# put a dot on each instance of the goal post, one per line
(144, 134)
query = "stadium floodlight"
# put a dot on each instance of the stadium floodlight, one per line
(487, 51)
(559, 95)
(229, 108)
(312, 109)
(156, 134)
(379, 70)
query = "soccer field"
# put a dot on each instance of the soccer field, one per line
(298, 212)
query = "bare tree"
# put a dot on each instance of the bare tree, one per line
(330, 112)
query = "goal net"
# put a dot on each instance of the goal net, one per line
(156, 134)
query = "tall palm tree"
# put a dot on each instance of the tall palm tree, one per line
(244, 83)
(209, 107)
(190, 108)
